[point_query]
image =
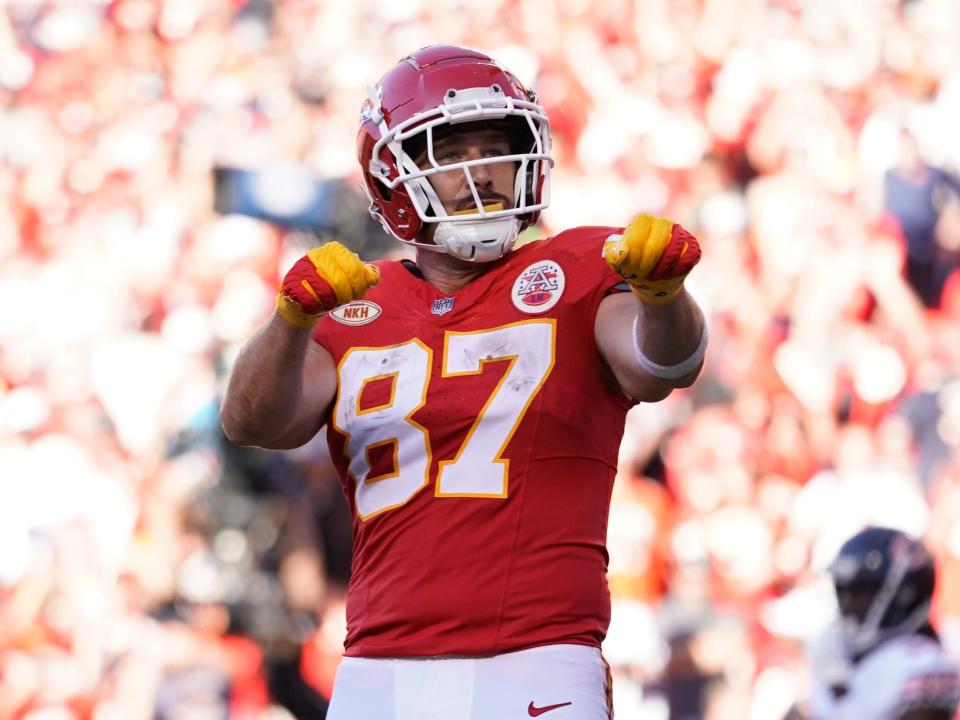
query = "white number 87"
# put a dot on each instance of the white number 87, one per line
(478, 469)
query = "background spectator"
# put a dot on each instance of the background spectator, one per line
(163, 161)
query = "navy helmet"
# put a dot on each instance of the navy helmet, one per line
(884, 583)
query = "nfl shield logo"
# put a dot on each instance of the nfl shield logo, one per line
(442, 306)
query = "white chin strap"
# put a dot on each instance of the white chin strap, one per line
(479, 241)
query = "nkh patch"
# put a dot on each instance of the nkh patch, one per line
(538, 288)
(358, 312)
(441, 306)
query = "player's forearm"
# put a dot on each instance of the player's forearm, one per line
(655, 341)
(265, 385)
(640, 341)
(670, 334)
(668, 345)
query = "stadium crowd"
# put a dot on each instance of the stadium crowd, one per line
(150, 569)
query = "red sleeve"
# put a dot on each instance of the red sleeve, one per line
(583, 249)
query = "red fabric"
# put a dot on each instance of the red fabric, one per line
(679, 256)
(248, 688)
(304, 270)
(318, 666)
(475, 576)
(950, 299)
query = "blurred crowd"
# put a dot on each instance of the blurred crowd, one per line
(162, 162)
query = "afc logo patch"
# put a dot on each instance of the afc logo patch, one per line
(441, 306)
(538, 288)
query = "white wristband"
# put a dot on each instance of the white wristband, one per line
(671, 372)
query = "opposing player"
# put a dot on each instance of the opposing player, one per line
(882, 660)
(474, 401)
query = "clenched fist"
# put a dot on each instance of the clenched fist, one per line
(654, 256)
(325, 278)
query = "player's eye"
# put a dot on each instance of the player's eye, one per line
(445, 157)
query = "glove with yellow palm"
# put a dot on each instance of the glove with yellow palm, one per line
(654, 255)
(325, 278)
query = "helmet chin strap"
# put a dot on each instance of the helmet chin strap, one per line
(478, 241)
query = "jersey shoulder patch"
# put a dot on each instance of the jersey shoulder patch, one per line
(582, 241)
(580, 252)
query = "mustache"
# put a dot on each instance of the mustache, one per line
(467, 203)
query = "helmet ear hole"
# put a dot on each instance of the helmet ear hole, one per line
(529, 179)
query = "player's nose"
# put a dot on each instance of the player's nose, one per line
(481, 175)
(481, 172)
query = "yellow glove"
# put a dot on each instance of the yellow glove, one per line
(325, 278)
(653, 255)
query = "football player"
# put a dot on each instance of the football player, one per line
(882, 659)
(474, 401)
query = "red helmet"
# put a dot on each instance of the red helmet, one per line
(429, 91)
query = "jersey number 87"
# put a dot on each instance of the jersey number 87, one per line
(478, 469)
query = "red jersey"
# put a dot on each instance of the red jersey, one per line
(476, 436)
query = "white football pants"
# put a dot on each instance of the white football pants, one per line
(553, 682)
